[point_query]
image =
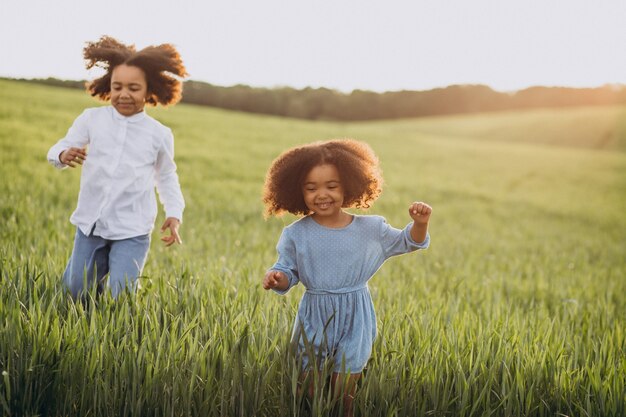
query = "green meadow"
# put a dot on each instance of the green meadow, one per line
(518, 308)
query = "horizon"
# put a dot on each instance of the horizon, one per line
(615, 86)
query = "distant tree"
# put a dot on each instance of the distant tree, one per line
(326, 104)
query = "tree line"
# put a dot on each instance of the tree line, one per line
(327, 104)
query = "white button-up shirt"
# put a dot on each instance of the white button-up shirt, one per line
(126, 158)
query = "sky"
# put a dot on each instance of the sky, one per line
(383, 45)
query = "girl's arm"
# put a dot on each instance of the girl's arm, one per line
(284, 273)
(276, 280)
(420, 213)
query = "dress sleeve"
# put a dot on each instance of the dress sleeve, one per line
(286, 262)
(399, 241)
(77, 136)
(167, 183)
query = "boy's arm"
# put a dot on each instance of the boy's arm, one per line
(172, 224)
(70, 150)
(167, 183)
(72, 157)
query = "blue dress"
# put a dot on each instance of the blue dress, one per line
(336, 315)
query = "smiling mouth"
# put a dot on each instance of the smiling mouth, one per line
(324, 205)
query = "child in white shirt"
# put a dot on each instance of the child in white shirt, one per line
(124, 153)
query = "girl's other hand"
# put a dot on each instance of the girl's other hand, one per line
(73, 157)
(173, 224)
(273, 279)
(420, 212)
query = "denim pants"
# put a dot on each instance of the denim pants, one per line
(93, 257)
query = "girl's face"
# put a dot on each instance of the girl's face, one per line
(129, 89)
(323, 192)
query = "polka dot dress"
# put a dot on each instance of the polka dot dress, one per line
(336, 318)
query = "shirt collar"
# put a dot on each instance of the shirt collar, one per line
(131, 119)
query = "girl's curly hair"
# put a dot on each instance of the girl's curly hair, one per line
(160, 64)
(355, 161)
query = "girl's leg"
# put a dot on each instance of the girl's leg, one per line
(88, 263)
(344, 385)
(126, 261)
(307, 383)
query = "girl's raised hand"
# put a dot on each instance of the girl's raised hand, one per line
(73, 157)
(420, 212)
(274, 279)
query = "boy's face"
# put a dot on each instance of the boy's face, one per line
(129, 89)
(322, 191)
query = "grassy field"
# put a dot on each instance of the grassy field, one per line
(517, 309)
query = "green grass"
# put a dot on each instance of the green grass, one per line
(517, 309)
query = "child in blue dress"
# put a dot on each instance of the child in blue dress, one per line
(334, 253)
(128, 154)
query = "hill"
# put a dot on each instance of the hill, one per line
(327, 104)
(517, 309)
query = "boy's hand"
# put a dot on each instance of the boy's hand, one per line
(171, 223)
(420, 212)
(73, 157)
(273, 279)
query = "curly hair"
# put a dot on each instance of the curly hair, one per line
(355, 161)
(160, 64)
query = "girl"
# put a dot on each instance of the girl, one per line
(334, 253)
(129, 152)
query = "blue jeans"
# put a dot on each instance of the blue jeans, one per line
(93, 257)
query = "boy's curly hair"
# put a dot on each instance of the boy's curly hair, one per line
(355, 161)
(159, 63)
